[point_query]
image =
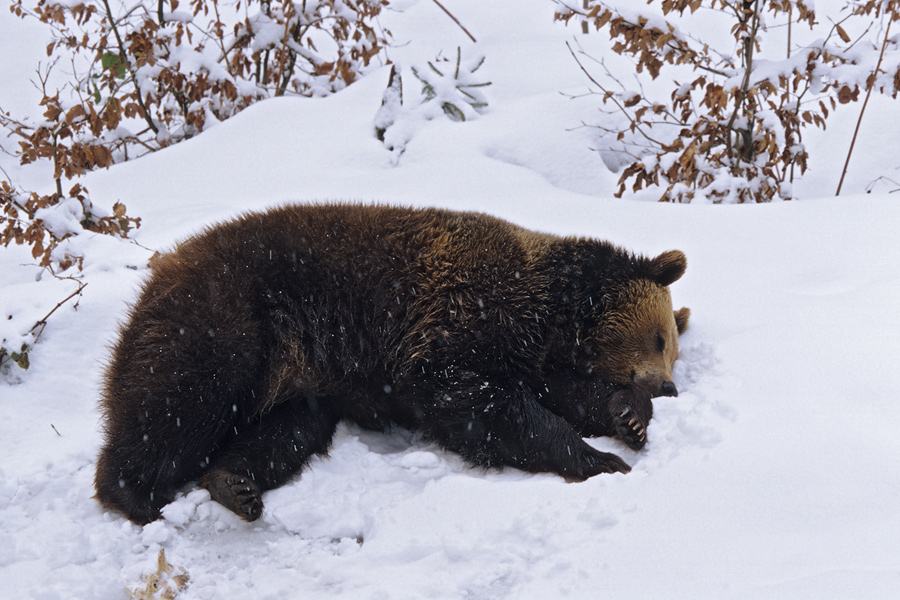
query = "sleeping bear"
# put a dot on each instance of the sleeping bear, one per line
(253, 339)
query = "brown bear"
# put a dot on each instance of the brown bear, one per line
(253, 339)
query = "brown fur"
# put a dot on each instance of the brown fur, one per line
(253, 339)
(642, 325)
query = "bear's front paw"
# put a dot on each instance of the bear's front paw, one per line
(630, 429)
(237, 493)
(631, 409)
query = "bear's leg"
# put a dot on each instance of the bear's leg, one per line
(594, 407)
(492, 422)
(150, 453)
(268, 451)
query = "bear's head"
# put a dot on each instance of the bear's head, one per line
(636, 339)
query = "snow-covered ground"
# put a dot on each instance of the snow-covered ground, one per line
(774, 474)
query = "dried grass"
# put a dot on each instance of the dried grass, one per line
(165, 584)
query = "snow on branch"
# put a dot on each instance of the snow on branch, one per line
(732, 131)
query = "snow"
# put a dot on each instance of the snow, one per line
(773, 475)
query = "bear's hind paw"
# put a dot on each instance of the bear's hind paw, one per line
(237, 493)
(593, 462)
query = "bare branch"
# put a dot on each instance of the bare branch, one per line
(455, 20)
(611, 96)
(862, 111)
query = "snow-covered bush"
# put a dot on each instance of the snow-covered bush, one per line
(145, 74)
(448, 86)
(454, 86)
(46, 224)
(139, 76)
(155, 74)
(732, 130)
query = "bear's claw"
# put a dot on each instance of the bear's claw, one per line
(237, 493)
(632, 431)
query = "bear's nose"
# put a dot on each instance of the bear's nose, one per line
(667, 388)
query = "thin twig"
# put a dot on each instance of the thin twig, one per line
(862, 111)
(790, 18)
(612, 97)
(455, 20)
(43, 322)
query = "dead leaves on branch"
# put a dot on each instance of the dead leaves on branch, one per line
(65, 139)
(147, 75)
(734, 133)
(144, 75)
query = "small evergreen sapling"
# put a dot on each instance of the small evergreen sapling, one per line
(449, 87)
(456, 90)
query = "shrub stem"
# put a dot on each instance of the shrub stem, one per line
(862, 111)
(455, 20)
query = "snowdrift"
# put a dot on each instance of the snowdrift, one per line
(774, 473)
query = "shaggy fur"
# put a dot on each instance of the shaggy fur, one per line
(253, 339)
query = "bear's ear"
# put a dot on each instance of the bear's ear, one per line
(668, 267)
(681, 319)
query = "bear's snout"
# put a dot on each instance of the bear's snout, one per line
(667, 388)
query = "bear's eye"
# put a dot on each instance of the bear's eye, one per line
(660, 343)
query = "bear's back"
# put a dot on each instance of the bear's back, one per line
(410, 280)
(338, 243)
